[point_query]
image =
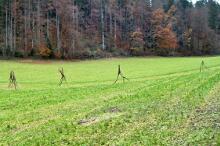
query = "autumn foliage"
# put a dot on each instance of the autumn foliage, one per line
(44, 51)
(165, 37)
(137, 42)
(70, 29)
(166, 41)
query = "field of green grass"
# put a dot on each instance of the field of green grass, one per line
(166, 102)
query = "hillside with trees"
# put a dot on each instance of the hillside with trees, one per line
(71, 29)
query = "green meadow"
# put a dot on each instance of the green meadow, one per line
(167, 101)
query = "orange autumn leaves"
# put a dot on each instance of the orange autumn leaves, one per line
(165, 37)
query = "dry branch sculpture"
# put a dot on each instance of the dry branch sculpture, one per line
(202, 66)
(120, 74)
(12, 80)
(63, 77)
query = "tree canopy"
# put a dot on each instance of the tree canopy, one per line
(99, 28)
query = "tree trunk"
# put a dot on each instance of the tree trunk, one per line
(11, 30)
(38, 24)
(74, 29)
(58, 33)
(6, 31)
(14, 31)
(103, 25)
(115, 32)
(25, 30)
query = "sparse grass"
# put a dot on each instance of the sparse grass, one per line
(166, 102)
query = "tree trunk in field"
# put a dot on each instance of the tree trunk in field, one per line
(110, 21)
(6, 31)
(14, 31)
(30, 34)
(25, 30)
(58, 32)
(115, 32)
(103, 25)
(38, 24)
(33, 31)
(9, 27)
(48, 25)
(14, 37)
(74, 29)
(11, 30)
(29, 14)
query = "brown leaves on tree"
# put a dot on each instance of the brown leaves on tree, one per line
(187, 38)
(166, 38)
(44, 51)
(137, 41)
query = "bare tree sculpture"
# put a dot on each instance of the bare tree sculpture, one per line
(120, 74)
(12, 80)
(202, 66)
(63, 77)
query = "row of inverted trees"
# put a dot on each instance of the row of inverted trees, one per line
(90, 28)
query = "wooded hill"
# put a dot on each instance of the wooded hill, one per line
(102, 28)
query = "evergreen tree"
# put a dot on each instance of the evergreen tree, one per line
(168, 5)
(213, 14)
(201, 3)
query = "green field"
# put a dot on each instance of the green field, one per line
(166, 102)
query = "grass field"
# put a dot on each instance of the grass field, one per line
(166, 102)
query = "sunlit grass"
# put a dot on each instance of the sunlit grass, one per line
(166, 102)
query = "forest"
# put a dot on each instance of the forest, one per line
(77, 29)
